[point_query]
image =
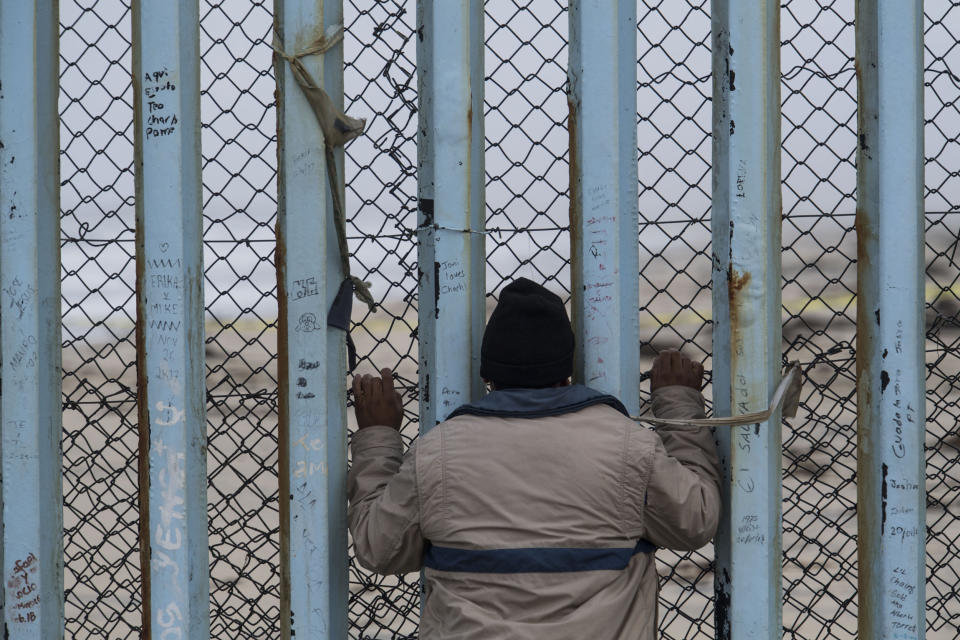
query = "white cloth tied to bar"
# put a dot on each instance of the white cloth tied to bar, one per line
(786, 397)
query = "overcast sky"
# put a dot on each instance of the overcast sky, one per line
(525, 131)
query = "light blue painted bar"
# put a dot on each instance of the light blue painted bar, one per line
(170, 317)
(30, 281)
(452, 257)
(746, 302)
(603, 196)
(313, 440)
(890, 315)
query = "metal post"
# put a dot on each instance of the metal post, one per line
(312, 368)
(32, 555)
(890, 312)
(452, 257)
(746, 303)
(170, 320)
(603, 196)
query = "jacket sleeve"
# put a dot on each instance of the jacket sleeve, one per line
(683, 490)
(384, 512)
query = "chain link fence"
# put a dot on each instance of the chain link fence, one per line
(527, 200)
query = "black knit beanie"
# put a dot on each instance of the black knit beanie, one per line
(528, 341)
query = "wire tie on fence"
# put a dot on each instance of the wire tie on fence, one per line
(338, 129)
(440, 227)
(786, 396)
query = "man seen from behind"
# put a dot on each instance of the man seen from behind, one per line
(536, 511)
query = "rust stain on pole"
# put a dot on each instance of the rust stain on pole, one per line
(283, 436)
(866, 484)
(143, 416)
(143, 420)
(575, 212)
(861, 114)
(468, 156)
(866, 319)
(867, 487)
(279, 261)
(736, 283)
(576, 216)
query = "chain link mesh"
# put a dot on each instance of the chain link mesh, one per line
(527, 201)
(942, 197)
(100, 514)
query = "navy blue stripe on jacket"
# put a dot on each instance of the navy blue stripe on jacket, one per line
(535, 560)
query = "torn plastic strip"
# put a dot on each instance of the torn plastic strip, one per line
(339, 318)
(786, 396)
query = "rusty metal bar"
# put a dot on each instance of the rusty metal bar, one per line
(170, 350)
(603, 196)
(746, 303)
(452, 257)
(312, 368)
(890, 316)
(32, 554)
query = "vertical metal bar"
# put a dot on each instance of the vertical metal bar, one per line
(30, 281)
(451, 202)
(338, 565)
(746, 301)
(603, 195)
(170, 319)
(890, 312)
(313, 449)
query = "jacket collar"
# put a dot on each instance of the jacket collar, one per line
(538, 403)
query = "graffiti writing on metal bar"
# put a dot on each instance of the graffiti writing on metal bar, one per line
(159, 90)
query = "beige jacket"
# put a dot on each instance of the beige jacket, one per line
(533, 528)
